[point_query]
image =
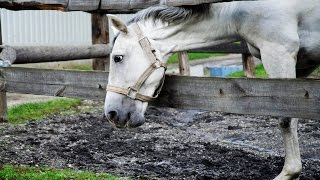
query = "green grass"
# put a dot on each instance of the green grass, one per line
(9, 172)
(316, 72)
(260, 73)
(83, 67)
(34, 111)
(193, 56)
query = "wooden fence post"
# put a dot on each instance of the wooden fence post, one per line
(3, 103)
(100, 35)
(248, 65)
(184, 66)
(3, 94)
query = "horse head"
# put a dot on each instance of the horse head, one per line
(140, 52)
(136, 75)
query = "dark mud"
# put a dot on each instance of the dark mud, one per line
(173, 144)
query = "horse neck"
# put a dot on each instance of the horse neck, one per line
(218, 28)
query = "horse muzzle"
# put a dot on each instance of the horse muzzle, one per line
(121, 119)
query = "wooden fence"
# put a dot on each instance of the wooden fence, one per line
(105, 6)
(277, 97)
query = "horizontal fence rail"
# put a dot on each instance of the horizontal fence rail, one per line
(38, 54)
(96, 5)
(276, 97)
(61, 83)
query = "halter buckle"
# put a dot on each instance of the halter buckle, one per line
(132, 93)
(156, 64)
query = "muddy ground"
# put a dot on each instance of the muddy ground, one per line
(173, 144)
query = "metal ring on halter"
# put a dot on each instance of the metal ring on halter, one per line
(132, 93)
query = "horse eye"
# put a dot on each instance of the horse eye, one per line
(118, 58)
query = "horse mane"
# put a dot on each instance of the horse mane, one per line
(173, 15)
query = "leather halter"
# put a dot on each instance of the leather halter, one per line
(133, 91)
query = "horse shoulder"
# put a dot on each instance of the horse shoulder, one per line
(266, 22)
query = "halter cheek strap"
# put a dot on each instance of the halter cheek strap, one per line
(133, 91)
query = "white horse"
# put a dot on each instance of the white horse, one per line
(284, 34)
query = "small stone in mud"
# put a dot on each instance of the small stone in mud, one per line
(234, 127)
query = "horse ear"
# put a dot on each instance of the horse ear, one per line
(118, 23)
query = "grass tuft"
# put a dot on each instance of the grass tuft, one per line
(193, 56)
(8, 172)
(260, 72)
(316, 73)
(34, 111)
(82, 67)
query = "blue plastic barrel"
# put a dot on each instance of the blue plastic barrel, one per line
(224, 71)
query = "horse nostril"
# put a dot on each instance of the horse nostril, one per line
(112, 115)
(129, 116)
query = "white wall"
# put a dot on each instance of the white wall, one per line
(27, 28)
(20, 28)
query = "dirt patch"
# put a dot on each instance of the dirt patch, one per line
(173, 144)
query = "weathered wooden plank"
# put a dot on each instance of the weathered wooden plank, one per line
(133, 6)
(83, 5)
(127, 6)
(190, 2)
(95, 93)
(93, 79)
(110, 6)
(276, 97)
(37, 2)
(34, 4)
(62, 83)
(184, 67)
(100, 35)
(37, 54)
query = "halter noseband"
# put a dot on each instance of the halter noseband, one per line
(133, 91)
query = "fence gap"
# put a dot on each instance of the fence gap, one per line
(100, 35)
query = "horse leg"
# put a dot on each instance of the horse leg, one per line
(279, 63)
(292, 166)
